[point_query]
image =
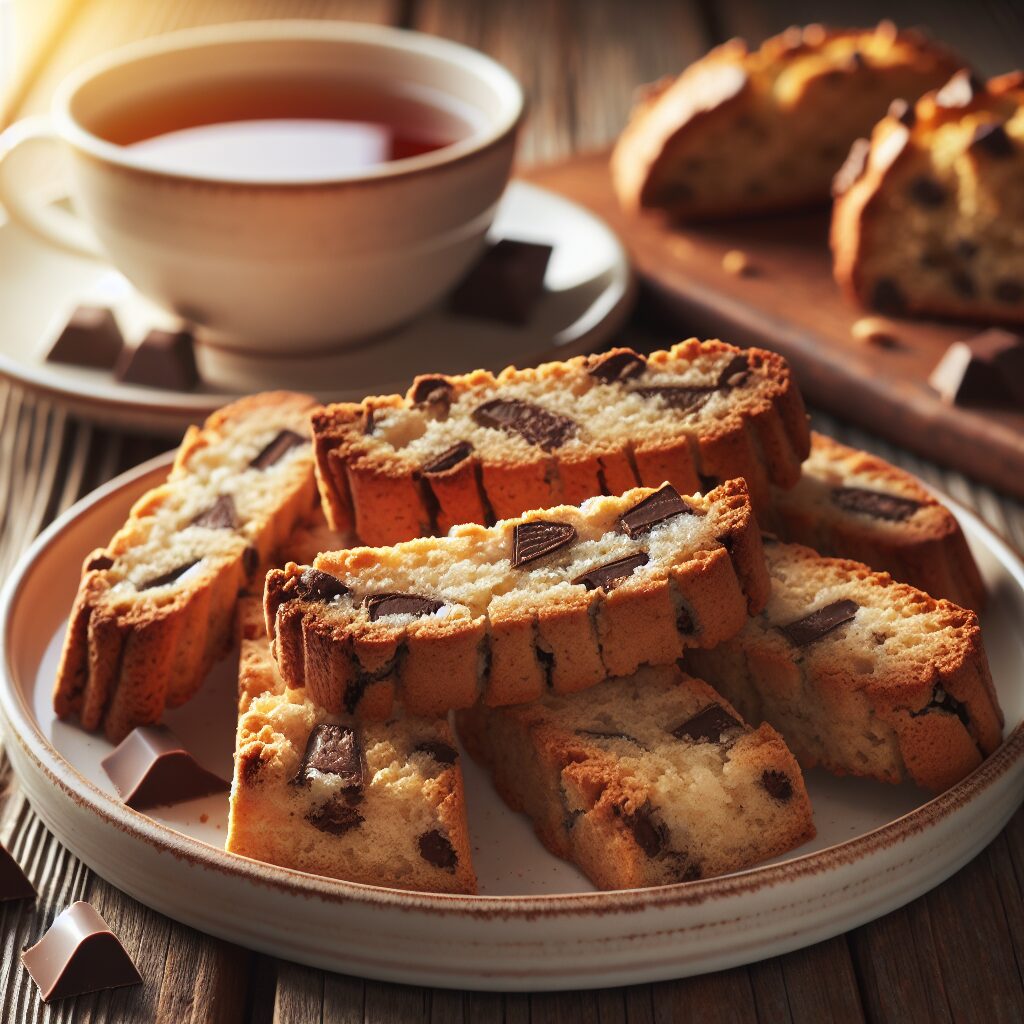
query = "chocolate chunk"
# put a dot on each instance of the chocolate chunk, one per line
(276, 450)
(14, 883)
(1009, 290)
(734, 373)
(778, 784)
(963, 283)
(436, 849)
(169, 577)
(650, 836)
(683, 869)
(400, 604)
(449, 458)
(79, 953)
(946, 703)
(163, 359)
(887, 297)
(708, 483)
(368, 422)
(707, 725)
(434, 392)
(853, 168)
(622, 365)
(505, 284)
(902, 111)
(686, 399)
(151, 768)
(926, 191)
(538, 538)
(813, 627)
(662, 505)
(333, 750)
(611, 574)
(97, 563)
(442, 753)
(314, 585)
(90, 338)
(991, 139)
(221, 515)
(336, 817)
(250, 560)
(684, 622)
(546, 429)
(874, 503)
(987, 369)
(960, 90)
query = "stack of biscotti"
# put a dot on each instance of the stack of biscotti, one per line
(154, 607)
(742, 132)
(851, 504)
(375, 802)
(559, 598)
(861, 674)
(478, 448)
(647, 780)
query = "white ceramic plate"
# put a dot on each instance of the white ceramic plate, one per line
(589, 290)
(538, 923)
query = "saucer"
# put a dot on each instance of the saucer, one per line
(588, 293)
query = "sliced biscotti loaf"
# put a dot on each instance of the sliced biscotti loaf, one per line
(559, 598)
(861, 674)
(740, 132)
(929, 214)
(646, 780)
(854, 505)
(374, 802)
(154, 607)
(478, 448)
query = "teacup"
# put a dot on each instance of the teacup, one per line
(276, 267)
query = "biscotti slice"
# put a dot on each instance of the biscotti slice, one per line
(479, 448)
(740, 132)
(929, 215)
(154, 607)
(559, 598)
(854, 505)
(375, 802)
(646, 780)
(860, 674)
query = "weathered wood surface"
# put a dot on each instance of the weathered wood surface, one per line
(956, 954)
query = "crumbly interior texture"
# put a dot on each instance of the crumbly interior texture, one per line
(791, 108)
(935, 223)
(609, 786)
(508, 632)
(840, 508)
(283, 815)
(900, 691)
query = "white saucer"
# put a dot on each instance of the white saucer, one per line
(589, 291)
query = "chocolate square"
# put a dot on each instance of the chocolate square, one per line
(987, 369)
(505, 284)
(90, 338)
(163, 359)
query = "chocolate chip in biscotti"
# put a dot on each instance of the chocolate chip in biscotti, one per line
(505, 284)
(163, 359)
(401, 604)
(442, 753)
(90, 338)
(813, 627)
(708, 725)
(651, 836)
(876, 504)
(98, 563)
(926, 191)
(778, 784)
(436, 848)
(619, 366)
(433, 393)
(333, 750)
(887, 296)
(539, 538)
(960, 90)
(681, 398)
(662, 505)
(277, 449)
(336, 817)
(172, 576)
(734, 373)
(944, 702)
(536, 425)
(221, 515)
(992, 140)
(611, 574)
(449, 458)
(315, 585)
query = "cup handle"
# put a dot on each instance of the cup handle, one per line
(48, 222)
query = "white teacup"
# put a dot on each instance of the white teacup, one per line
(276, 267)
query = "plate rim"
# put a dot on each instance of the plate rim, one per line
(21, 727)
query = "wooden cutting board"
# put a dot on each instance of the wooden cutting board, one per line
(791, 304)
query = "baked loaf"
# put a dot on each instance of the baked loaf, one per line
(560, 598)
(478, 448)
(854, 505)
(860, 674)
(929, 215)
(154, 607)
(643, 781)
(380, 803)
(740, 132)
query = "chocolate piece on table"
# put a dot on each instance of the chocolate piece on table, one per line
(333, 750)
(618, 366)
(505, 283)
(221, 515)
(79, 953)
(707, 725)
(877, 504)
(663, 504)
(275, 450)
(987, 369)
(533, 423)
(818, 624)
(163, 359)
(14, 884)
(449, 458)
(436, 849)
(169, 577)
(442, 753)
(401, 604)
(151, 768)
(538, 538)
(611, 574)
(90, 338)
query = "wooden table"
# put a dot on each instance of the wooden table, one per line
(955, 954)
